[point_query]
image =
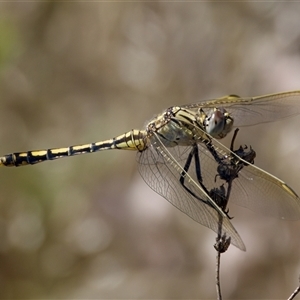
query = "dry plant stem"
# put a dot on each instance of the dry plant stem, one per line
(218, 260)
(295, 293)
(218, 285)
(223, 242)
(221, 246)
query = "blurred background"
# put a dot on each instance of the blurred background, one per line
(88, 226)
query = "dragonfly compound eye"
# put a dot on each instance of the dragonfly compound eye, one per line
(218, 123)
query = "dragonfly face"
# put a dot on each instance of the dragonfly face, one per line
(180, 157)
(218, 123)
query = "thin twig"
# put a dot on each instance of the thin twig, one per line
(296, 292)
(221, 196)
(222, 242)
(218, 285)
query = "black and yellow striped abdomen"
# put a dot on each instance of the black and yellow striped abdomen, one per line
(131, 140)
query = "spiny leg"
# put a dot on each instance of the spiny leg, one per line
(194, 153)
(233, 138)
(213, 151)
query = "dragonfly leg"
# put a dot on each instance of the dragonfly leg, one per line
(214, 153)
(233, 138)
(193, 154)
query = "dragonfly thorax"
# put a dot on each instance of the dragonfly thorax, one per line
(218, 123)
(170, 128)
(174, 133)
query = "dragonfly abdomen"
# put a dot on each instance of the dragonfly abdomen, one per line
(131, 140)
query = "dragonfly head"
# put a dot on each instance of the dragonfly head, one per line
(218, 123)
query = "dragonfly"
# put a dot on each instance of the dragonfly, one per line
(180, 157)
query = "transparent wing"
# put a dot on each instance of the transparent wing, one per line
(259, 190)
(161, 169)
(255, 110)
(253, 188)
